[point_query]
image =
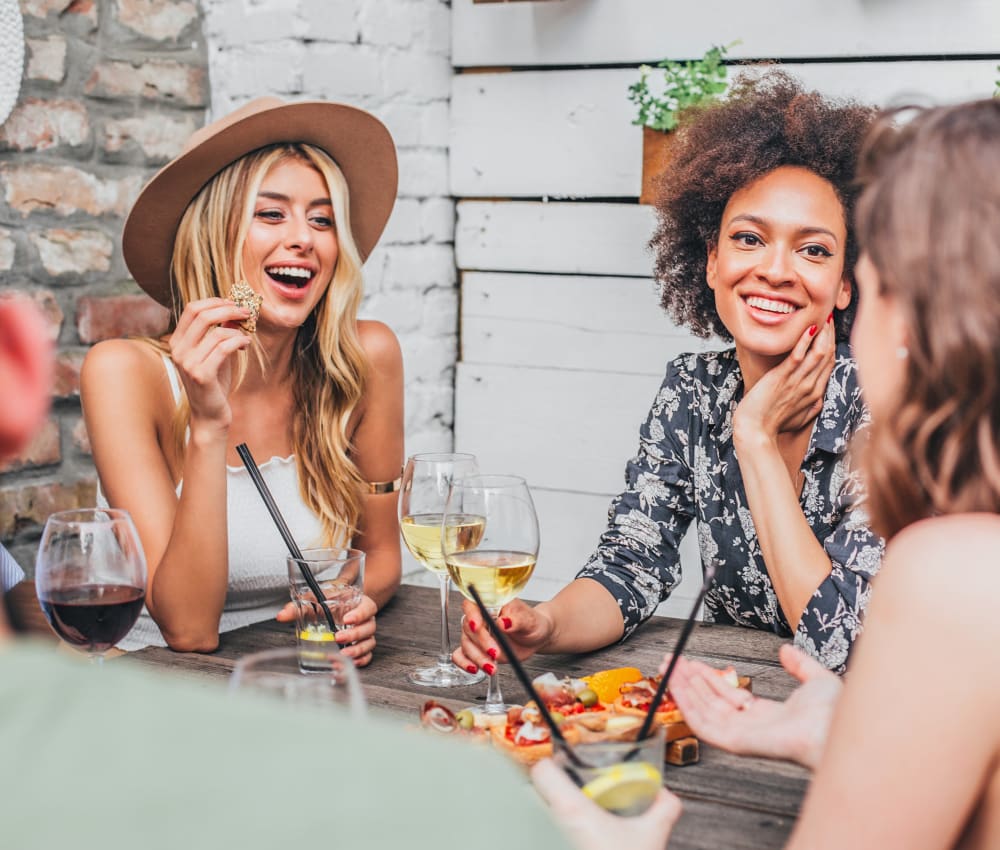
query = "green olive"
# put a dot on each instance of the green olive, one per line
(587, 697)
(557, 718)
(465, 719)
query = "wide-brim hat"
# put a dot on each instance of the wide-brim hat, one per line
(356, 140)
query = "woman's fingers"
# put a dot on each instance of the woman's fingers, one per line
(361, 652)
(366, 609)
(803, 667)
(206, 312)
(352, 634)
(217, 347)
(471, 653)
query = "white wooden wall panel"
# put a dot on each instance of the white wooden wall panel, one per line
(571, 524)
(601, 324)
(588, 32)
(560, 429)
(535, 134)
(560, 237)
(543, 133)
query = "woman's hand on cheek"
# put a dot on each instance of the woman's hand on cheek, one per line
(789, 396)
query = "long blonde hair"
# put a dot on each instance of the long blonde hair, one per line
(328, 363)
(928, 220)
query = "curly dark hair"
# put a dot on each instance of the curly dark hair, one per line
(765, 122)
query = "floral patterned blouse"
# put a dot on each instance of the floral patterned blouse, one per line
(687, 469)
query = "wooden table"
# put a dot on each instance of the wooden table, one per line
(728, 801)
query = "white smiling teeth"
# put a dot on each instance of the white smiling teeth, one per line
(769, 305)
(291, 271)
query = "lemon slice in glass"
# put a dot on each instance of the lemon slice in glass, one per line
(625, 789)
(316, 634)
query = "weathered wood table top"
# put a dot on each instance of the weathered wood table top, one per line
(729, 802)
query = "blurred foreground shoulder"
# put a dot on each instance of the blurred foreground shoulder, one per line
(947, 563)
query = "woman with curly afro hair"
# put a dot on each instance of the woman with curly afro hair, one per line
(754, 246)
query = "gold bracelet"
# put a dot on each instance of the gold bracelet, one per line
(377, 488)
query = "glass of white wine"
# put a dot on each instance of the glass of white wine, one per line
(426, 481)
(503, 559)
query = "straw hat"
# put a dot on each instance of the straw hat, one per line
(357, 141)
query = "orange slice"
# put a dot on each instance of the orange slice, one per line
(607, 683)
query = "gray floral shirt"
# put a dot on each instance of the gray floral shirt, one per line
(687, 469)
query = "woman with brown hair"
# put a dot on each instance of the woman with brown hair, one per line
(254, 238)
(912, 752)
(755, 246)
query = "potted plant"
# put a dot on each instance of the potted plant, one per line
(660, 100)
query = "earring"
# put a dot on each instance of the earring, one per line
(902, 352)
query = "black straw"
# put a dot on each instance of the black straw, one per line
(678, 649)
(525, 681)
(286, 535)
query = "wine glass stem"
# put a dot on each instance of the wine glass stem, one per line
(444, 657)
(494, 699)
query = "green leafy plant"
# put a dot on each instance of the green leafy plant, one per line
(683, 84)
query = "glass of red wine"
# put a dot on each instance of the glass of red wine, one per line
(90, 575)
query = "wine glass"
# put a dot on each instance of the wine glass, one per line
(90, 575)
(502, 561)
(426, 481)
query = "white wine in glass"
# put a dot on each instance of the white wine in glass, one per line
(502, 562)
(426, 482)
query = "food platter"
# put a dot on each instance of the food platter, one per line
(605, 706)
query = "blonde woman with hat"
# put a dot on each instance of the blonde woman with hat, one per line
(283, 203)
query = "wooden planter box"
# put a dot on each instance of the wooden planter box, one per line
(656, 147)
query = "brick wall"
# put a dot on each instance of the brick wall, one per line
(111, 90)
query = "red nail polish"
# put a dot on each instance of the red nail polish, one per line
(472, 625)
(492, 652)
(507, 622)
(471, 668)
(830, 317)
(490, 669)
(812, 330)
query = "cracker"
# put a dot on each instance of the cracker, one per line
(245, 297)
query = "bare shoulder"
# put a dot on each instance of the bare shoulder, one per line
(380, 345)
(947, 538)
(119, 358)
(117, 366)
(945, 564)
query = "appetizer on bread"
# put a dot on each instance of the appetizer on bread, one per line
(526, 737)
(572, 699)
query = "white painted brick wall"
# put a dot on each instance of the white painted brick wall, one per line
(392, 57)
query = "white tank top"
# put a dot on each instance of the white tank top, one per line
(258, 577)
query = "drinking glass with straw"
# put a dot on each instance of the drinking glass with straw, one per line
(272, 508)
